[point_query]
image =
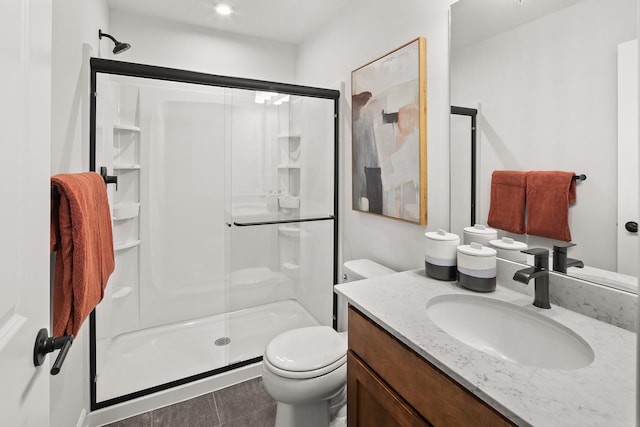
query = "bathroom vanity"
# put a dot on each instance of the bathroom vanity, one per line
(404, 369)
(389, 384)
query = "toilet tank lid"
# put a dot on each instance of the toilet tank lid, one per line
(366, 268)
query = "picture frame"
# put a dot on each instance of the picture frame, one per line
(389, 134)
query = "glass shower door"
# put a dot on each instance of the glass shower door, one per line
(282, 211)
(224, 223)
(165, 142)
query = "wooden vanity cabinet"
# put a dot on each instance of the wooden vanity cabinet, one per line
(388, 384)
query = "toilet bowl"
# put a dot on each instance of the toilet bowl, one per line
(305, 369)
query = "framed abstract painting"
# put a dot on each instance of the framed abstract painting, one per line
(389, 134)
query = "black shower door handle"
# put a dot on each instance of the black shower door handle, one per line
(631, 226)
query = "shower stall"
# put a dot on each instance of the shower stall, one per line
(224, 220)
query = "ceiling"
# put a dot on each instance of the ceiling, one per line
(477, 20)
(287, 21)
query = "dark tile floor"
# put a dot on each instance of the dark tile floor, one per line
(244, 404)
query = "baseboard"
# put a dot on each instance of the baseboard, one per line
(82, 419)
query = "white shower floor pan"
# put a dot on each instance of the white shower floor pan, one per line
(142, 359)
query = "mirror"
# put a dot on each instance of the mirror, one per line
(555, 86)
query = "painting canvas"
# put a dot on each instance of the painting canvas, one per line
(389, 134)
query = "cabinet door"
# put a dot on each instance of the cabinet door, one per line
(372, 403)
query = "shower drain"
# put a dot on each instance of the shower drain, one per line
(222, 341)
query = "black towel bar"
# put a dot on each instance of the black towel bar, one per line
(108, 179)
(581, 177)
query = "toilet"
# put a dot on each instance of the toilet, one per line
(305, 369)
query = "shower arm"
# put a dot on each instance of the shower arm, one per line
(109, 36)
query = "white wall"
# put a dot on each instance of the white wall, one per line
(175, 45)
(548, 99)
(73, 39)
(365, 31)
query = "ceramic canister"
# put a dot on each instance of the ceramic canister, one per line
(441, 254)
(480, 234)
(507, 248)
(477, 267)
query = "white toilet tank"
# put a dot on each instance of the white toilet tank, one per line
(357, 269)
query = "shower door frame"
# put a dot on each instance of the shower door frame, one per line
(130, 69)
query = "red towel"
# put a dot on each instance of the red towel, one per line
(82, 238)
(548, 196)
(506, 210)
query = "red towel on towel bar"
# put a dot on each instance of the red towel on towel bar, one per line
(506, 210)
(82, 238)
(548, 196)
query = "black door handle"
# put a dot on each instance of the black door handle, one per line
(631, 226)
(46, 344)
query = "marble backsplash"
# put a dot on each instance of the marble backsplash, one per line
(606, 304)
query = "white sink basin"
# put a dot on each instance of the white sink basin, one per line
(509, 332)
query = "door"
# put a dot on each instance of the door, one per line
(371, 402)
(25, 85)
(628, 157)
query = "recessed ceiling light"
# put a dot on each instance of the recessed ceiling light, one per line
(224, 9)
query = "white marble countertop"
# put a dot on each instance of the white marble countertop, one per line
(601, 394)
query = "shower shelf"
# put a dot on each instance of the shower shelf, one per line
(120, 246)
(126, 167)
(291, 267)
(125, 128)
(289, 136)
(284, 167)
(121, 293)
(124, 211)
(289, 231)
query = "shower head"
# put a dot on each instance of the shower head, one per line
(119, 47)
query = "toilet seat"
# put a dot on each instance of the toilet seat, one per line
(306, 352)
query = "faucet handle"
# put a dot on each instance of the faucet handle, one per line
(562, 247)
(541, 257)
(537, 252)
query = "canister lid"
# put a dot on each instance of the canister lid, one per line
(509, 244)
(481, 229)
(441, 235)
(476, 249)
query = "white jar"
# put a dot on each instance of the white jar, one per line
(480, 234)
(441, 254)
(477, 267)
(507, 248)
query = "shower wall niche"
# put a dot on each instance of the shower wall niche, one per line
(224, 222)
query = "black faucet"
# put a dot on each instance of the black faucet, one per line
(560, 260)
(540, 272)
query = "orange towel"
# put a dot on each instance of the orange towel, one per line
(506, 210)
(548, 196)
(82, 238)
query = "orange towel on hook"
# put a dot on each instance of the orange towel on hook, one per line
(82, 238)
(506, 210)
(548, 196)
